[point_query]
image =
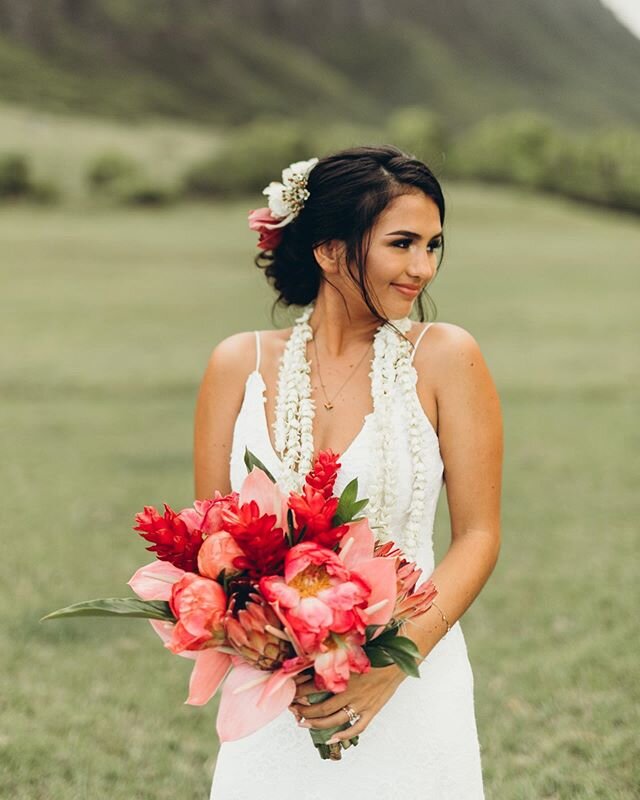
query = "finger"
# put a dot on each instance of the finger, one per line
(316, 710)
(328, 707)
(322, 723)
(305, 689)
(353, 730)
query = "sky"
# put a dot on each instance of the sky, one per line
(628, 11)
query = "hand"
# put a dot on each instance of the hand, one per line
(366, 693)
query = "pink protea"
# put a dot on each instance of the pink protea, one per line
(411, 599)
(256, 633)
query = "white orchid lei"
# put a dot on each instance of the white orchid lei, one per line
(293, 425)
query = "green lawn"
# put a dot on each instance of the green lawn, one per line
(107, 321)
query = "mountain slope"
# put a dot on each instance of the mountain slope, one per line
(228, 60)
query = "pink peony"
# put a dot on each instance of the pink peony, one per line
(217, 553)
(199, 605)
(340, 656)
(321, 594)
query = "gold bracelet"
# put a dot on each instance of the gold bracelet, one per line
(444, 619)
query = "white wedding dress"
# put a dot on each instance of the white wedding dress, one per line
(423, 744)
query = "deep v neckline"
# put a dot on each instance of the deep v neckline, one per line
(267, 435)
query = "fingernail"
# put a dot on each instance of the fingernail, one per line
(303, 701)
(334, 740)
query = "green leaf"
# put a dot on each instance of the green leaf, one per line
(358, 506)
(370, 630)
(348, 505)
(290, 527)
(405, 644)
(378, 657)
(386, 638)
(116, 607)
(251, 461)
(405, 662)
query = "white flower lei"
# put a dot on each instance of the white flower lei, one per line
(293, 425)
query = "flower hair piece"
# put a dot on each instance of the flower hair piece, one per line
(286, 201)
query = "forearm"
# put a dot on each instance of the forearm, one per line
(459, 578)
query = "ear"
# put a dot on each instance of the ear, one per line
(329, 256)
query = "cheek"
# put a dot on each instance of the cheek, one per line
(383, 266)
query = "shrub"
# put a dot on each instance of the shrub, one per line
(253, 156)
(15, 175)
(110, 167)
(602, 167)
(513, 147)
(418, 131)
(141, 190)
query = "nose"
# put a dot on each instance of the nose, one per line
(424, 266)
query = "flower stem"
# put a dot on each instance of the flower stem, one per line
(333, 752)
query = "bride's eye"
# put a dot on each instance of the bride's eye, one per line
(436, 244)
(402, 241)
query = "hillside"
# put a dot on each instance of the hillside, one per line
(227, 60)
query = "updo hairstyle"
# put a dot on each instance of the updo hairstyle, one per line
(348, 190)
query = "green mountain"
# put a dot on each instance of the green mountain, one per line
(226, 61)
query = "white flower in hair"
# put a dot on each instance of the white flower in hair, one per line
(286, 199)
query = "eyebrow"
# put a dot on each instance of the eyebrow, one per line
(412, 234)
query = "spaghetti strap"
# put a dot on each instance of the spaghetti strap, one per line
(422, 333)
(257, 333)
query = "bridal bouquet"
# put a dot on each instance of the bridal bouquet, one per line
(257, 587)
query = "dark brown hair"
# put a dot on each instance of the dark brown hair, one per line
(348, 190)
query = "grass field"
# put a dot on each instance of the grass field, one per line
(107, 321)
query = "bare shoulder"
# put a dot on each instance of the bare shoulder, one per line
(219, 401)
(447, 351)
(235, 355)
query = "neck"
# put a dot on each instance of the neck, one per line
(342, 328)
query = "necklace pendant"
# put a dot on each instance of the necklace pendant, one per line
(328, 406)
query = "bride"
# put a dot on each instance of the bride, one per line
(353, 239)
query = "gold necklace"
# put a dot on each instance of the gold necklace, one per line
(329, 403)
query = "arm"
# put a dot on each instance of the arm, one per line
(217, 406)
(470, 434)
(471, 444)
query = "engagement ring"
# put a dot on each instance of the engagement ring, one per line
(353, 716)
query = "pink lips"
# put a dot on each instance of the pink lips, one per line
(408, 291)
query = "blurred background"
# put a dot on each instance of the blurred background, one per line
(135, 136)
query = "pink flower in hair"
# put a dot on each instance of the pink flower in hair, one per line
(270, 238)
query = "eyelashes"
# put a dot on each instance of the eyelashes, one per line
(434, 244)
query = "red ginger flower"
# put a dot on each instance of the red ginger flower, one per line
(174, 539)
(315, 512)
(264, 545)
(323, 473)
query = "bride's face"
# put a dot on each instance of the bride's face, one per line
(404, 251)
